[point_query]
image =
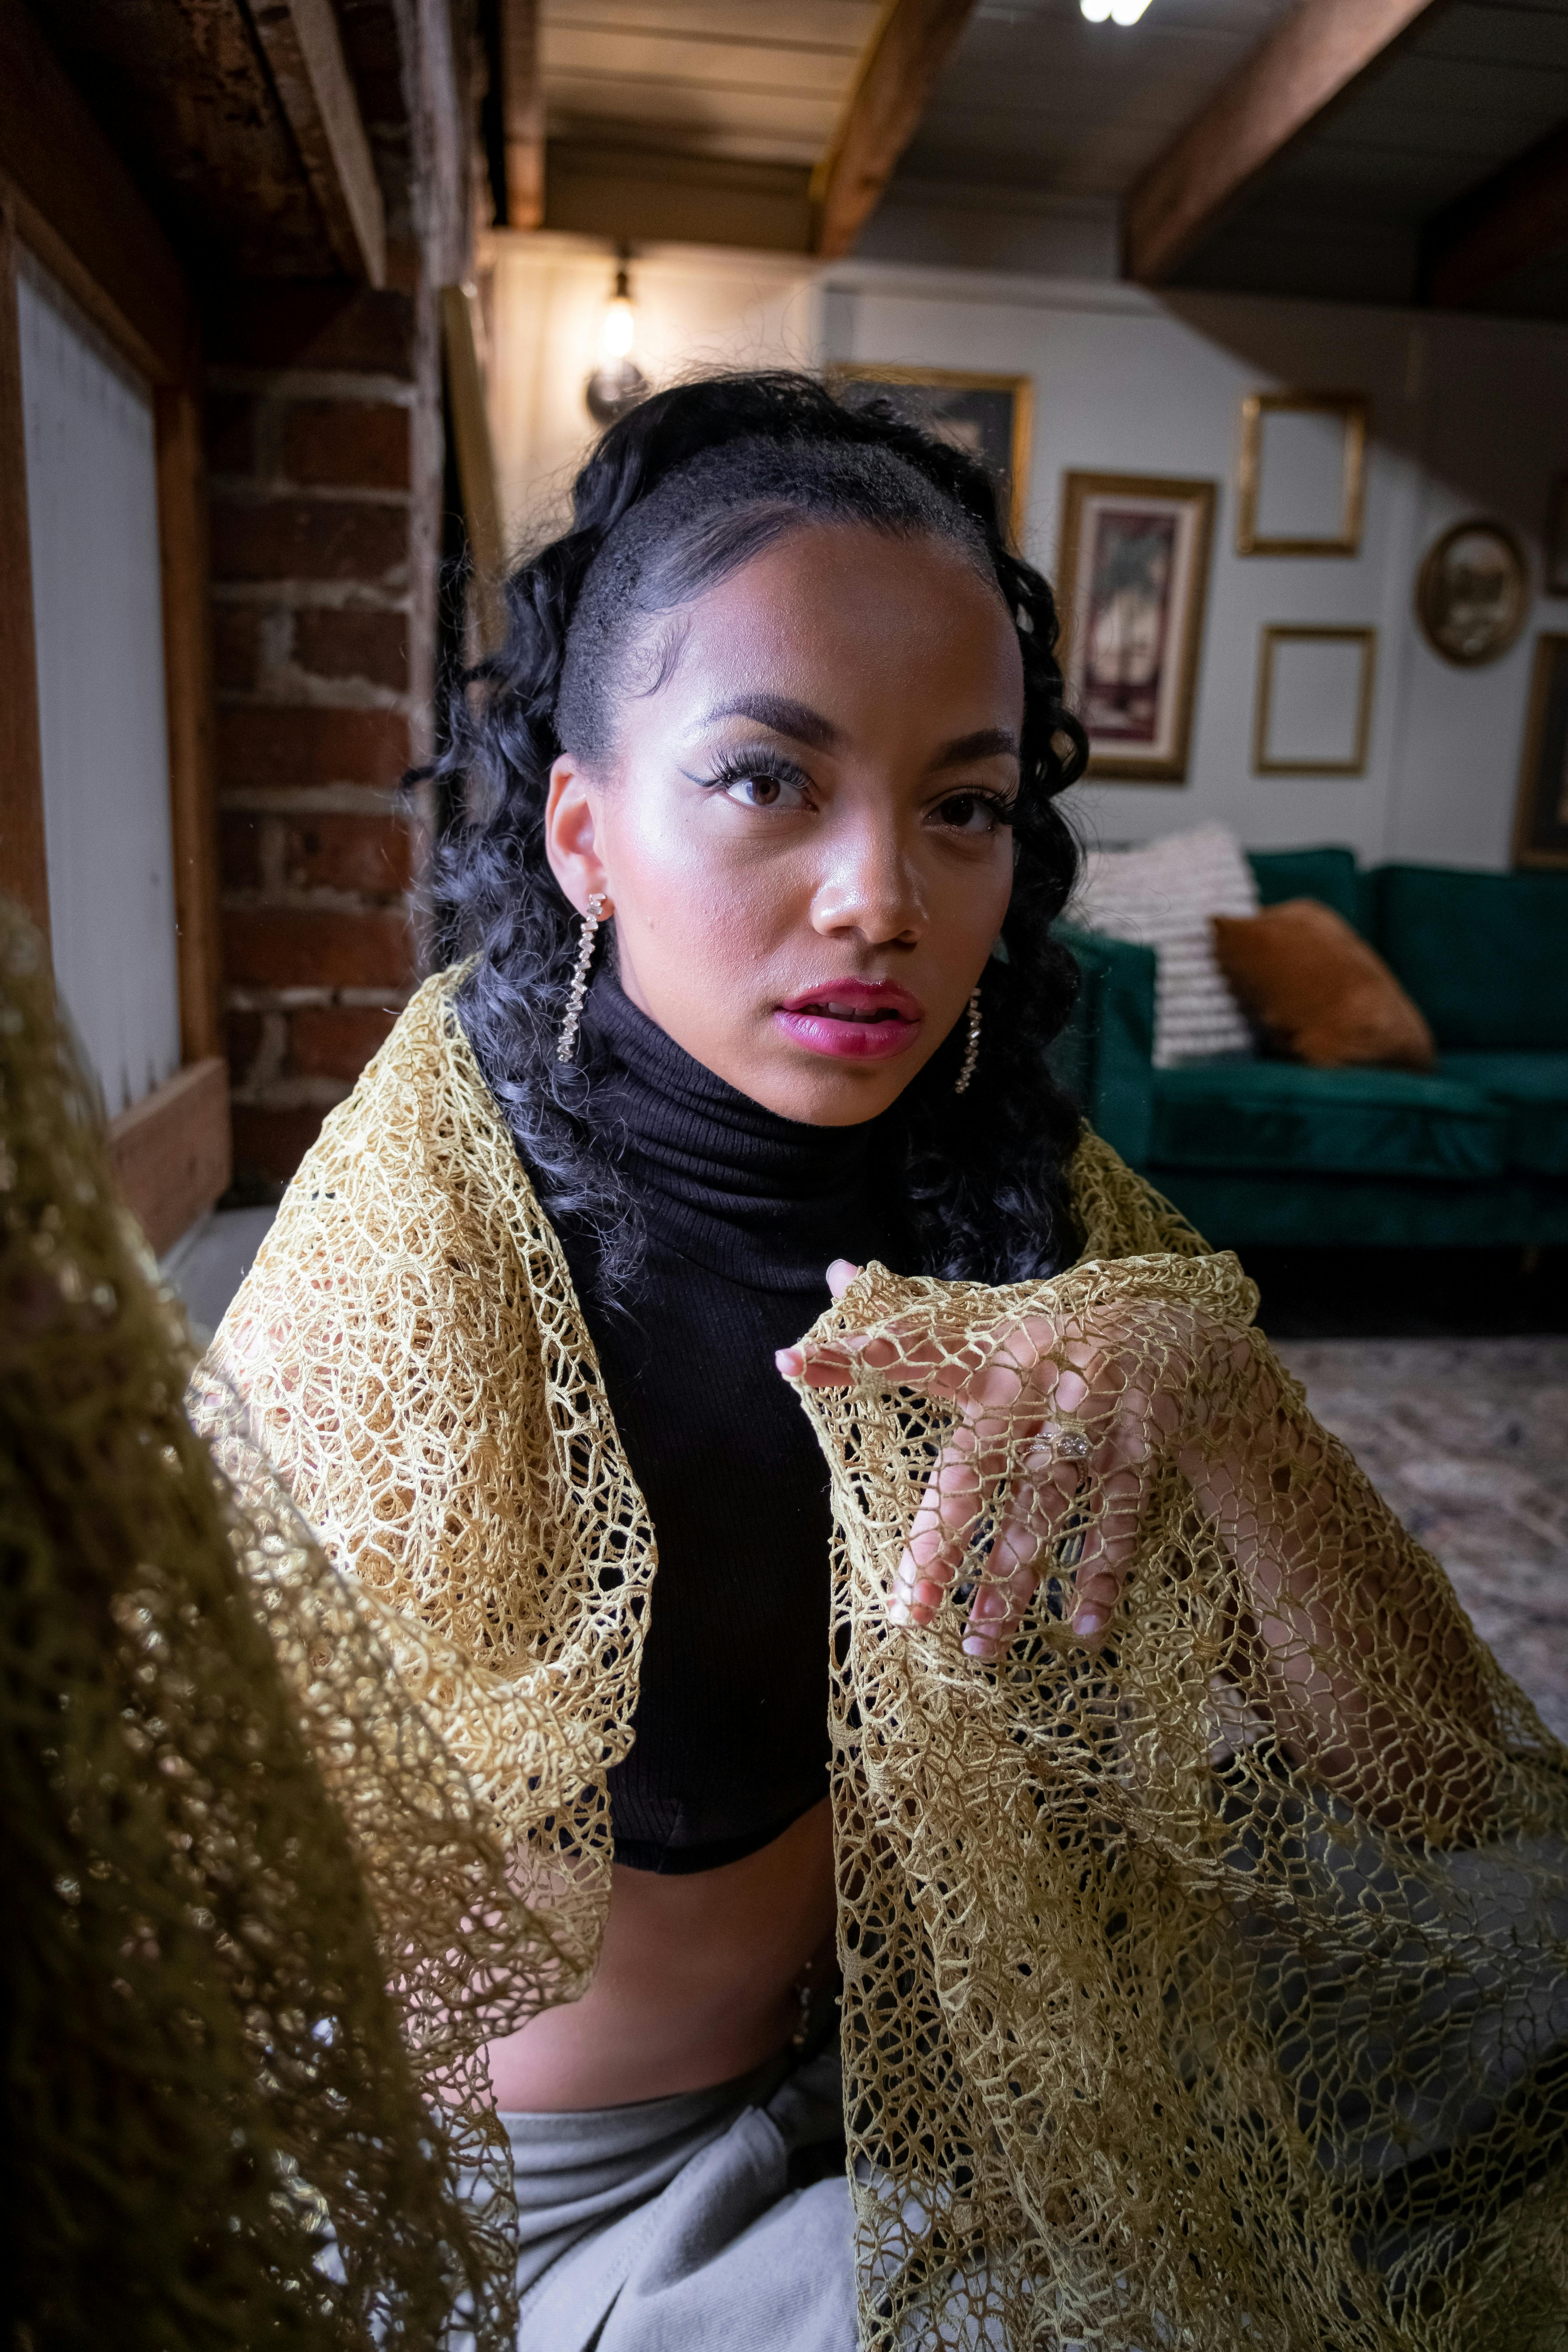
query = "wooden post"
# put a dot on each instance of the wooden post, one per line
(187, 672)
(23, 868)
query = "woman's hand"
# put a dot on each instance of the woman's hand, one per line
(1328, 1597)
(1098, 1401)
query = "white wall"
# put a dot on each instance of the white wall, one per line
(697, 307)
(1469, 416)
(92, 523)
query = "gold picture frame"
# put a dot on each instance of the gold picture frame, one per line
(1110, 523)
(998, 428)
(1473, 592)
(1540, 809)
(1354, 410)
(1554, 537)
(1268, 763)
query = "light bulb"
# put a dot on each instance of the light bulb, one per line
(1127, 12)
(618, 332)
(1097, 11)
(618, 384)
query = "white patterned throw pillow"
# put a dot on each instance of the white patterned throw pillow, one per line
(1160, 897)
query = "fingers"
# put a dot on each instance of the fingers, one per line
(1012, 1386)
(840, 1274)
(832, 1364)
(998, 1373)
(1031, 1526)
(968, 1463)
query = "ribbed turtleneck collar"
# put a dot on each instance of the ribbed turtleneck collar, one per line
(729, 1185)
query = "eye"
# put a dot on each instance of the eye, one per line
(764, 791)
(759, 780)
(975, 814)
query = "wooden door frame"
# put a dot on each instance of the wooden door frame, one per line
(67, 198)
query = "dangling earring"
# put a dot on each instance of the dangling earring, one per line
(567, 1045)
(972, 1046)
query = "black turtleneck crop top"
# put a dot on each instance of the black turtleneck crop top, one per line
(743, 1211)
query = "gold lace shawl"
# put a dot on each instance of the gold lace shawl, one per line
(257, 1932)
(1152, 2034)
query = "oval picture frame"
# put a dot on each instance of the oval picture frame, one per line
(1470, 608)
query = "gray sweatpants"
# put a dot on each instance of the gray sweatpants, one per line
(717, 2220)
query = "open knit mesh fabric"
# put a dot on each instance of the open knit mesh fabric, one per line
(1203, 1988)
(257, 1928)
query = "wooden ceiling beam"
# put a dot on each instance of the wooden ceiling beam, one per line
(1275, 95)
(910, 44)
(523, 113)
(1517, 217)
(304, 53)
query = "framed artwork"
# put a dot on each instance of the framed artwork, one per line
(990, 415)
(1302, 486)
(1313, 713)
(1132, 575)
(1555, 536)
(1541, 819)
(1472, 592)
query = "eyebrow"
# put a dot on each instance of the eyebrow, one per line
(781, 717)
(985, 743)
(803, 725)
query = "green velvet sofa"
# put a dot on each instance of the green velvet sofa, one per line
(1267, 1151)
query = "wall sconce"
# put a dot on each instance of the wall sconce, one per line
(618, 384)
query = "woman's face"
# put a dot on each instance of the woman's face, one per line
(801, 832)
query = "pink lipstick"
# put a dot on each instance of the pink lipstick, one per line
(853, 1020)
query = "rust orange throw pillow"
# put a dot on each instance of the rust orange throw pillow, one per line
(1316, 990)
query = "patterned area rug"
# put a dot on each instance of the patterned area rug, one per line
(1468, 1441)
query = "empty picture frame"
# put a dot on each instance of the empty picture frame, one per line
(1540, 815)
(989, 416)
(1557, 538)
(1132, 576)
(1313, 713)
(1302, 489)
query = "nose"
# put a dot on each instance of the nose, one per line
(870, 885)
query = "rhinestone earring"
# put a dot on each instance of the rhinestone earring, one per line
(567, 1043)
(971, 1047)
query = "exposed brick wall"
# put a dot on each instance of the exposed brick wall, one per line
(324, 456)
(318, 431)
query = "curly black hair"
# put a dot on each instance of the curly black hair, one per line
(984, 1182)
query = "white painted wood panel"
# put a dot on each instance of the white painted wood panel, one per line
(731, 78)
(92, 516)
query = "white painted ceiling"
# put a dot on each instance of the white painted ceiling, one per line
(758, 81)
(1037, 98)
(1038, 104)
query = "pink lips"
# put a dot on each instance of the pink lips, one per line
(854, 1020)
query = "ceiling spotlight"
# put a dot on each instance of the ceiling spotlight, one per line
(1119, 12)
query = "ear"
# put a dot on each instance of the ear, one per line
(571, 835)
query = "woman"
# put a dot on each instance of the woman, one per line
(1051, 1663)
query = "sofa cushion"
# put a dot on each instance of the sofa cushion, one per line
(1317, 990)
(1533, 1090)
(1278, 1115)
(1484, 955)
(1161, 895)
(1330, 876)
